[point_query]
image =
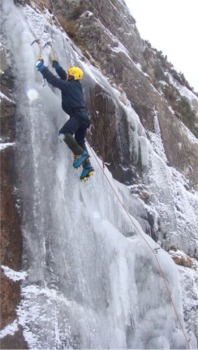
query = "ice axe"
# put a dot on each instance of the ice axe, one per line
(38, 42)
(53, 52)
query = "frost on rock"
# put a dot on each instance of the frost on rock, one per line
(189, 291)
(156, 140)
(188, 94)
(177, 207)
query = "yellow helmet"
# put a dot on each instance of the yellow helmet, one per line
(76, 72)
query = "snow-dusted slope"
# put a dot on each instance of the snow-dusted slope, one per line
(94, 278)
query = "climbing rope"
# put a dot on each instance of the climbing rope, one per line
(154, 251)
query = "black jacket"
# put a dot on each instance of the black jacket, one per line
(71, 90)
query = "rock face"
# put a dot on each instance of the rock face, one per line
(107, 35)
(11, 237)
(141, 73)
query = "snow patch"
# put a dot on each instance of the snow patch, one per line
(156, 139)
(14, 275)
(5, 145)
(11, 329)
(2, 96)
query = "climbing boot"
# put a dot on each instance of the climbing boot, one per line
(80, 159)
(88, 170)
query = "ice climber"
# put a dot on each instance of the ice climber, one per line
(74, 105)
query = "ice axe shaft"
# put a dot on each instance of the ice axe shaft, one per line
(47, 43)
(37, 41)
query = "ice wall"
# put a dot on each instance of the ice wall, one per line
(87, 284)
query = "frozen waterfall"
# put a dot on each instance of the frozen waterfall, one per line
(92, 276)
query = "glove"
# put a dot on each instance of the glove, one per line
(54, 63)
(40, 64)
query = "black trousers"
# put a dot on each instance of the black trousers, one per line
(77, 125)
